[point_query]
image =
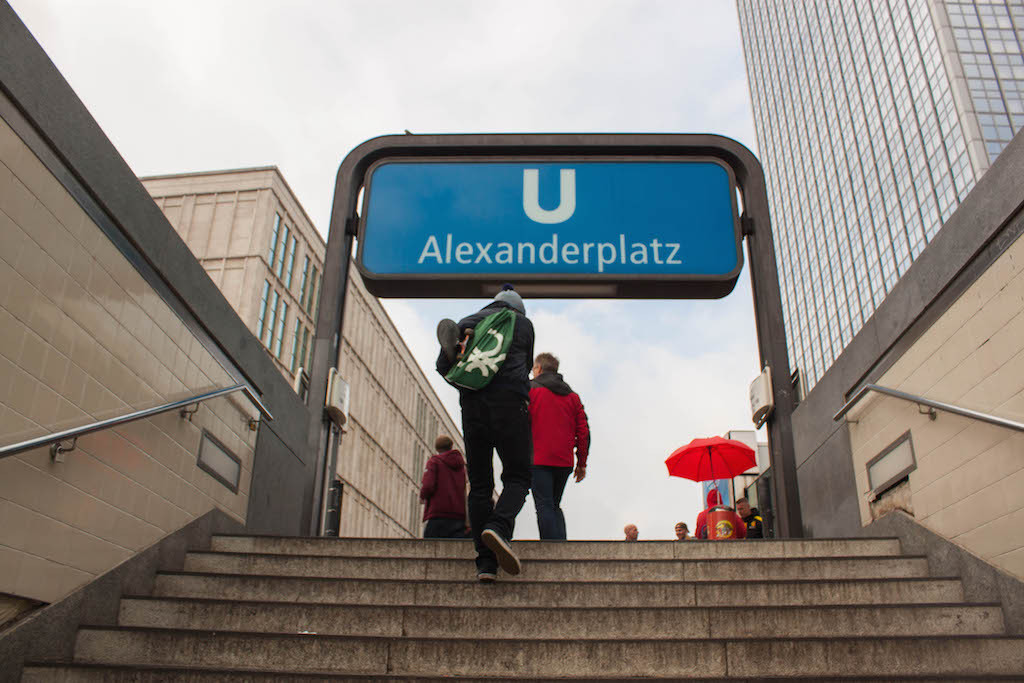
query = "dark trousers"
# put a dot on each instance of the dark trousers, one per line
(445, 528)
(499, 423)
(548, 485)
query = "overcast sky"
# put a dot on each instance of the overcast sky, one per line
(202, 85)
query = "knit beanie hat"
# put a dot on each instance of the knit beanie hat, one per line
(509, 295)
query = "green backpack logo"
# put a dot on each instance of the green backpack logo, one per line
(485, 353)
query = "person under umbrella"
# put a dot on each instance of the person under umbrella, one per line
(715, 502)
(708, 460)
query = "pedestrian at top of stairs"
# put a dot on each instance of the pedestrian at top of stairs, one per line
(443, 492)
(751, 518)
(561, 435)
(492, 376)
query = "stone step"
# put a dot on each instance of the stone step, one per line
(560, 550)
(886, 656)
(561, 623)
(469, 593)
(93, 673)
(563, 570)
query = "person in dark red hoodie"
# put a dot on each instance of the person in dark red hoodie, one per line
(560, 428)
(443, 492)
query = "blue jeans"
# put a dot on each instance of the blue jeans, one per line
(548, 485)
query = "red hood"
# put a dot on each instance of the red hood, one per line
(714, 498)
(452, 459)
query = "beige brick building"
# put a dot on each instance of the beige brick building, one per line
(259, 247)
(256, 242)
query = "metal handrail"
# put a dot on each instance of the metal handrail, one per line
(921, 400)
(76, 432)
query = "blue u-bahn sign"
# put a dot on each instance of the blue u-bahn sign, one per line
(554, 227)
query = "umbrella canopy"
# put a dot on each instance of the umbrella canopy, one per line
(713, 458)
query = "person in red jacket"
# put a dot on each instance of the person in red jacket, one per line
(560, 430)
(443, 492)
(714, 501)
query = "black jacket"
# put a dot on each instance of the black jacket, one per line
(514, 375)
(754, 523)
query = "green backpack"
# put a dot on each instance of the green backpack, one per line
(485, 353)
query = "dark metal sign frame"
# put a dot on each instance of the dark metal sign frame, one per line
(756, 229)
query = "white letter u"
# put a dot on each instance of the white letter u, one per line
(566, 199)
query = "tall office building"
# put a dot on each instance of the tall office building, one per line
(256, 242)
(874, 120)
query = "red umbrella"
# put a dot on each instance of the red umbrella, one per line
(713, 458)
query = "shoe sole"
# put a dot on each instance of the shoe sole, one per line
(486, 577)
(507, 559)
(448, 338)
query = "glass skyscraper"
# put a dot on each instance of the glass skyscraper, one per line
(874, 120)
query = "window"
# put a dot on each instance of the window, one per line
(305, 360)
(281, 252)
(291, 264)
(263, 309)
(308, 303)
(316, 297)
(272, 319)
(220, 463)
(295, 344)
(304, 282)
(273, 240)
(280, 328)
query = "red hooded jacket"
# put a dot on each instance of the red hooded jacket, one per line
(715, 498)
(558, 423)
(444, 486)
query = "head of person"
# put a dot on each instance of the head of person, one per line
(544, 362)
(682, 531)
(743, 507)
(443, 444)
(510, 296)
(632, 533)
(714, 498)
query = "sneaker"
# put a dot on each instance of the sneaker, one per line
(448, 337)
(507, 559)
(486, 577)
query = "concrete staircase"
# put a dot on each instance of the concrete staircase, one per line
(266, 608)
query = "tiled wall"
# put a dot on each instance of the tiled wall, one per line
(969, 481)
(84, 337)
(393, 420)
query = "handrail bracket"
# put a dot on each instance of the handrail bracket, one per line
(58, 449)
(187, 414)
